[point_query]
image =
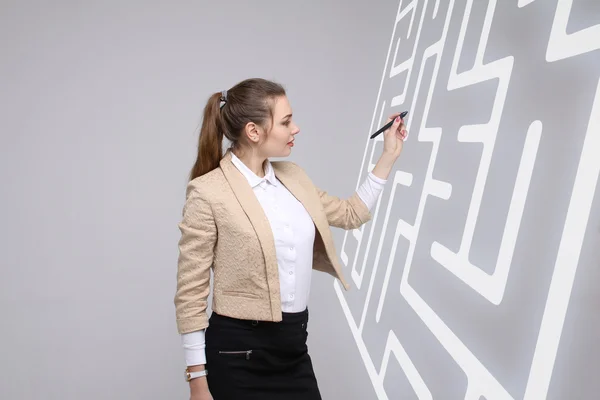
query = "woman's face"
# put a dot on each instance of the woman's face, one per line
(278, 142)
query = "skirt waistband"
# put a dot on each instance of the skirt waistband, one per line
(295, 318)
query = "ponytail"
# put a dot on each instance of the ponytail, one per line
(249, 100)
(210, 144)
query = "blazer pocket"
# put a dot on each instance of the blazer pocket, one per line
(241, 294)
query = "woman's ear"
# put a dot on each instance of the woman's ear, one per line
(252, 132)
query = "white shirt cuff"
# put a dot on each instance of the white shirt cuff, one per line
(371, 189)
(194, 346)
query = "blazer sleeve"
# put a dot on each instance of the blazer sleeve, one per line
(347, 214)
(196, 254)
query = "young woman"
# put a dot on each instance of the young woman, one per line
(261, 227)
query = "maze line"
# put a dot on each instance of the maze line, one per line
(415, 379)
(523, 3)
(561, 45)
(408, 64)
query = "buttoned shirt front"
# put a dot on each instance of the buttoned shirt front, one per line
(293, 233)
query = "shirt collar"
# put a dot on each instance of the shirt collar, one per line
(253, 179)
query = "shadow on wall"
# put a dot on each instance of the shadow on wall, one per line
(469, 282)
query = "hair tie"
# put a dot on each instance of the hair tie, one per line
(223, 98)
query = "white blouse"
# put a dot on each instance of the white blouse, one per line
(294, 234)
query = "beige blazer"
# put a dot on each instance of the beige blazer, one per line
(224, 228)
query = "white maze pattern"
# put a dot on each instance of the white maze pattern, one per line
(439, 270)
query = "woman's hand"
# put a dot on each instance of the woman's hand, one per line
(393, 140)
(203, 395)
(394, 137)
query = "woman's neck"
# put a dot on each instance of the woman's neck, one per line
(255, 163)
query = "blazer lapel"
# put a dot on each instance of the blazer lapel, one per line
(300, 193)
(252, 208)
(313, 207)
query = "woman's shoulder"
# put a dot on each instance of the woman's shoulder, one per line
(288, 166)
(293, 170)
(205, 184)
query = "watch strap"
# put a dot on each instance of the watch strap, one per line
(196, 374)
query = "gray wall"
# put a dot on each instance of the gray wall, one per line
(477, 277)
(100, 108)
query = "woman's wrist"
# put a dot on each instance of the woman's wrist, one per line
(199, 382)
(198, 385)
(384, 165)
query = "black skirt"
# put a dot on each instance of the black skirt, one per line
(249, 360)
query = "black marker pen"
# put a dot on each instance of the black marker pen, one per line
(387, 126)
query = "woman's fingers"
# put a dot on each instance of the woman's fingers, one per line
(397, 125)
(393, 116)
(403, 133)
